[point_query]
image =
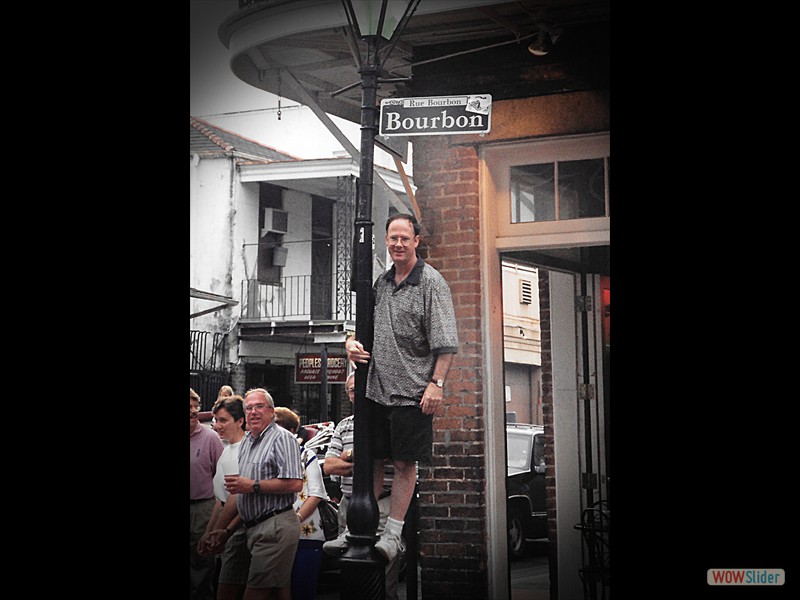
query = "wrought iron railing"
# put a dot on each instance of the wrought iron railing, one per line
(297, 297)
(595, 528)
(207, 366)
(206, 350)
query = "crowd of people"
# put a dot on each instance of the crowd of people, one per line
(255, 531)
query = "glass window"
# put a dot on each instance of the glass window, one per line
(581, 189)
(519, 450)
(533, 193)
(559, 191)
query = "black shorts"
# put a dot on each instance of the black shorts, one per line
(401, 433)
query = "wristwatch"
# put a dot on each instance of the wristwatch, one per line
(256, 487)
(438, 382)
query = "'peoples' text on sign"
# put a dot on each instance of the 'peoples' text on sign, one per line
(309, 366)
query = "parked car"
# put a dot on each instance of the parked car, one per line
(526, 506)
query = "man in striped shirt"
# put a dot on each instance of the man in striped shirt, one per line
(270, 475)
(339, 462)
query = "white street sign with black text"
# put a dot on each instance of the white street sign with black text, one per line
(436, 115)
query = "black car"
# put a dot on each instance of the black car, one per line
(526, 505)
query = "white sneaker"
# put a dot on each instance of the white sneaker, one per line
(338, 545)
(390, 545)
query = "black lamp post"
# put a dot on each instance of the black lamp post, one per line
(377, 23)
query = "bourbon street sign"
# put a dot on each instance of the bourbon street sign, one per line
(436, 115)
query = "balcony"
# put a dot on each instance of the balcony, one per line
(297, 298)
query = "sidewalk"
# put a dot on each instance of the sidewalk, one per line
(523, 594)
(330, 591)
(530, 579)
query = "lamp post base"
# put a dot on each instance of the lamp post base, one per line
(363, 571)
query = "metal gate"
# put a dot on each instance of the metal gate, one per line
(593, 307)
(207, 371)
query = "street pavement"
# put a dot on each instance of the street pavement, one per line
(530, 578)
(530, 575)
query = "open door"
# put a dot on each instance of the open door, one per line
(580, 320)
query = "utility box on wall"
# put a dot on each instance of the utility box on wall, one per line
(271, 259)
(279, 256)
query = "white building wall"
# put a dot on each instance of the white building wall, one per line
(211, 218)
(522, 332)
(278, 353)
(522, 344)
(246, 234)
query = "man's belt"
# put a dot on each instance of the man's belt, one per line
(200, 500)
(266, 516)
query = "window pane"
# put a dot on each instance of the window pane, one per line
(519, 450)
(581, 189)
(533, 193)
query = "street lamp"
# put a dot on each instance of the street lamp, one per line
(378, 24)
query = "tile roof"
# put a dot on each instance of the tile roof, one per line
(208, 140)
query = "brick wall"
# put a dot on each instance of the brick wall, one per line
(547, 400)
(452, 491)
(547, 415)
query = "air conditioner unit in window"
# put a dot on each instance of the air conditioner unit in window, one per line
(275, 221)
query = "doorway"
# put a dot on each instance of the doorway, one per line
(573, 326)
(563, 232)
(276, 379)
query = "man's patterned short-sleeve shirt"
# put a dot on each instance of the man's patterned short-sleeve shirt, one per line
(414, 323)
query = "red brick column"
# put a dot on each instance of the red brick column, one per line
(452, 491)
(547, 416)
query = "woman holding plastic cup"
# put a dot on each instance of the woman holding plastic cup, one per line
(229, 422)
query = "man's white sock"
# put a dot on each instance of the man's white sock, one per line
(393, 525)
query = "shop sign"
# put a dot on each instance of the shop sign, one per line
(309, 366)
(436, 115)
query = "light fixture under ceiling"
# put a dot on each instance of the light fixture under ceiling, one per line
(545, 40)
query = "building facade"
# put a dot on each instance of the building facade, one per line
(522, 344)
(270, 256)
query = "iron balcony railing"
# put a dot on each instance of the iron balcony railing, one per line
(297, 297)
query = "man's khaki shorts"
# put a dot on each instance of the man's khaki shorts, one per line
(273, 544)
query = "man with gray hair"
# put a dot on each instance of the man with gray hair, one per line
(263, 494)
